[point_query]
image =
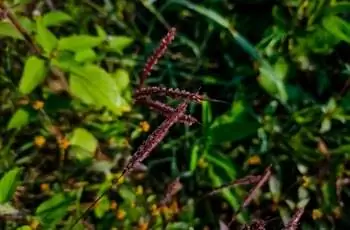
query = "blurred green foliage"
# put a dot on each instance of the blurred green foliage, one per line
(69, 123)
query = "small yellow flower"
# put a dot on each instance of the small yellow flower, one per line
(317, 214)
(125, 108)
(63, 143)
(113, 205)
(133, 204)
(254, 160)
(121, 180)
(139, 176)
(165, 209)
(121, 214)
(139, 190)
(337, 212)
(306, 181)
(143, 225)
(37, 105)
(45, 187)
(202, 163)
(34, 224)
(39, 141)
(144, 126)
(155, 210)
(174, 207)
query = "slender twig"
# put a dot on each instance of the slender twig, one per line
(20, 29)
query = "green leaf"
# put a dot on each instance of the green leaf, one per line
(95, 86)
(122, 79)
(56, 18)
(235, 125)
(19, 119)
(44, 37)
(101, 32)
(194, 158)
(338, 27)
(8, 185)
(178, 226)
(119, 43)
(272, 80)
(127, 194)
(102, 207)
(79, 42)
(53, 210)
(84, 139)
(8, 30)
(275, 188)
(34, 74)
(25, 227)
(339, 7)
(87, 55)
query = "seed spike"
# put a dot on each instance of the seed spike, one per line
(166, 110)
(252, 192)
(157, 54)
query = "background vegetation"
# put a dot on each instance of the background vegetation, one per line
(68, 122)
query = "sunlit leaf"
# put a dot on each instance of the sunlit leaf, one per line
(34, 74)
(8, 184)
(56, 18)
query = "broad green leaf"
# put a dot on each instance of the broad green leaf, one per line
(272, 81)
(44, 37)
(56, 18)
(79, 42)
(84, 139)
(80, 154)
(25, 227)
(53, 210)
(102, 207)
(234, 125)
(8, 185)
(87, 55)
(19, 119)
(34, 74)
(8, 30)
(101, 32)
(119, 43)
(338, 27)
(122, 79)
(275, 188)
(93, 85)
(126, 193)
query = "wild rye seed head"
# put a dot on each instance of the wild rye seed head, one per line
(253, 191)
(173, 188)
(250, 179)
(166, 110)
(155, 138)
(170, 92)
(158, 53)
